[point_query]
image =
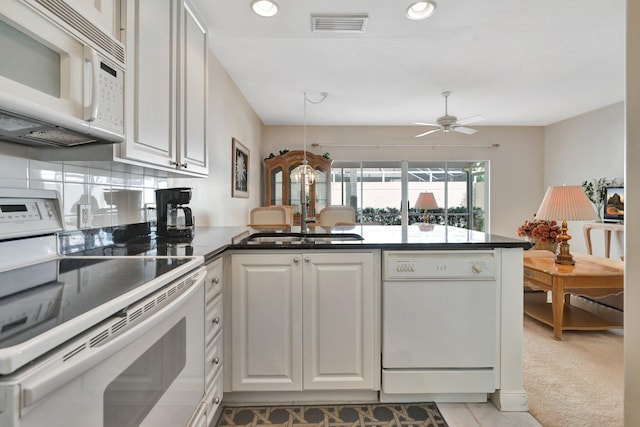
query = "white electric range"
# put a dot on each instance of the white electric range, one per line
(93, 340)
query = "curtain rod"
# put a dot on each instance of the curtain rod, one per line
(315, 144)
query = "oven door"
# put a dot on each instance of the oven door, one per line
(152, 374)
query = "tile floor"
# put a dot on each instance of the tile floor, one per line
(484, 415)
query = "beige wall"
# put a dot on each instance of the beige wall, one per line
(632, 228)
(586, 147)
(230, 116)
(515, 168)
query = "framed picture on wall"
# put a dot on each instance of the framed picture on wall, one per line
(239, 169)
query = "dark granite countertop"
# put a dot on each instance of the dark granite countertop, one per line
(210, 242)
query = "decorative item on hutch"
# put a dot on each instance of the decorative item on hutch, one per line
(544, 234)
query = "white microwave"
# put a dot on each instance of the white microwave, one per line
(61, 76)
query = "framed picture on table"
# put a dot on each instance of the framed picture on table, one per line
(239, 169)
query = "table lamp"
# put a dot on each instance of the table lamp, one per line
(565, 203)
(426, 201)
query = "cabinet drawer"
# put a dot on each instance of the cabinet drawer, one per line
(213, 285)
(213, 318)
(213, 359)
(213, 398)
(537, 276)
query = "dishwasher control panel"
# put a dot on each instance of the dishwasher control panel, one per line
(439, 265)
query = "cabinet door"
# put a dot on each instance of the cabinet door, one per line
(266, 322)
(340, 346)
(193, 91)
(150, 82)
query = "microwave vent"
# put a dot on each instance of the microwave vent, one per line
(59, 137)
(339, 23)
(83, 26)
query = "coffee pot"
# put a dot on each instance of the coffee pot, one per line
(179, 218)
(174, 219)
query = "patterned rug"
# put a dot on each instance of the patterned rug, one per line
(362, 415)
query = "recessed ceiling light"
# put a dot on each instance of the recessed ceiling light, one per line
(421, 10)
(265, 8)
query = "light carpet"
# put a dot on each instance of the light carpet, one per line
(574, 382)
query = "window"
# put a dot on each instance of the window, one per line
(379, 191)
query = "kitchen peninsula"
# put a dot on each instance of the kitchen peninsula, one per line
(303, 313)
(261, 276)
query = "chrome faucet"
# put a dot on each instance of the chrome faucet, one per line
(303, 204)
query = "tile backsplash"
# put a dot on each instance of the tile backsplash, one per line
(115, 197)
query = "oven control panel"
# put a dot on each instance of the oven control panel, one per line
(27, 212)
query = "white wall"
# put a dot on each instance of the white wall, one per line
(230, 116)
(585, 147)
(515, 168)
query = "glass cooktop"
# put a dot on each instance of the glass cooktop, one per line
(40, 297)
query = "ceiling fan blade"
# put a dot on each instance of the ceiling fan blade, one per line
(427, 133)
(426, 124)
(471, 119)
(465, 130)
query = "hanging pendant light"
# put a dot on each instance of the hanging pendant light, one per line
(304, 172)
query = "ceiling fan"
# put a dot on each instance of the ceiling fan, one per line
(449, 123)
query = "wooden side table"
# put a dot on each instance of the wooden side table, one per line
(590, 276)
(607, 227)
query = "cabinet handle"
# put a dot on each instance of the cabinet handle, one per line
(215, 280)
(215, 360)
(296, 260)
(216, 400)
(178, 165)
(216, 320)
(307, 259)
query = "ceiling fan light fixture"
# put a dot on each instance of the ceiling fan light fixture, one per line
(265, 8)
(421, 10)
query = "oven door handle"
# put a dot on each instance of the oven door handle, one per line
(49, 379)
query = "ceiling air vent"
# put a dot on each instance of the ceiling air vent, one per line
(339, 24)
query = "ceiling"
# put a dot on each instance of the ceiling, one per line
(515, 62)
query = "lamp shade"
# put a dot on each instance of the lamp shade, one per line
(566, 203)
(426, 201)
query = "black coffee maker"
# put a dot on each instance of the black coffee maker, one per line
(173, 219)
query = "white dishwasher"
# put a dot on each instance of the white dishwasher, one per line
(440, 324)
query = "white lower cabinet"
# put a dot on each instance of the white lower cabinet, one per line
(304, 321)
(213, 340)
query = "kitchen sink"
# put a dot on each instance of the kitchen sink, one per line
(300, 238)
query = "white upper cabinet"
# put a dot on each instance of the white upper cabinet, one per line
(166, 86)
(193, 91)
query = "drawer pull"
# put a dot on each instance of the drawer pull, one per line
(215, 280)
(216, 400)
(216, 320)
(215, 360)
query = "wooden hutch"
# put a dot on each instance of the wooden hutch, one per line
(280, 189)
